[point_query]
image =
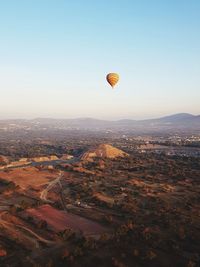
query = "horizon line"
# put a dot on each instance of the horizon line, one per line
(94, 118)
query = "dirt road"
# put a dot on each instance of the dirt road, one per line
(43, 194)
(22, 231)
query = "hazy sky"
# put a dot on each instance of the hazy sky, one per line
(55, 54)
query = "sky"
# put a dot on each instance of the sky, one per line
(55, 54)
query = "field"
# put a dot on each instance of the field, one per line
(28, 177)
(61, 220)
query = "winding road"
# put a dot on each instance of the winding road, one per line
(43, 194)
(12, 228)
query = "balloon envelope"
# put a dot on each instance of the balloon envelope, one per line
(112, 79)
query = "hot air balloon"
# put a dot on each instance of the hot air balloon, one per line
(112, 79)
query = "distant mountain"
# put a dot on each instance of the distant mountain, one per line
(177, 122)
(181, 119)
(179, 116)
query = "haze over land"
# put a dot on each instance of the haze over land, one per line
(180, 123)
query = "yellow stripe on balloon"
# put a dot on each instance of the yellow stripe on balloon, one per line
(112, 79)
